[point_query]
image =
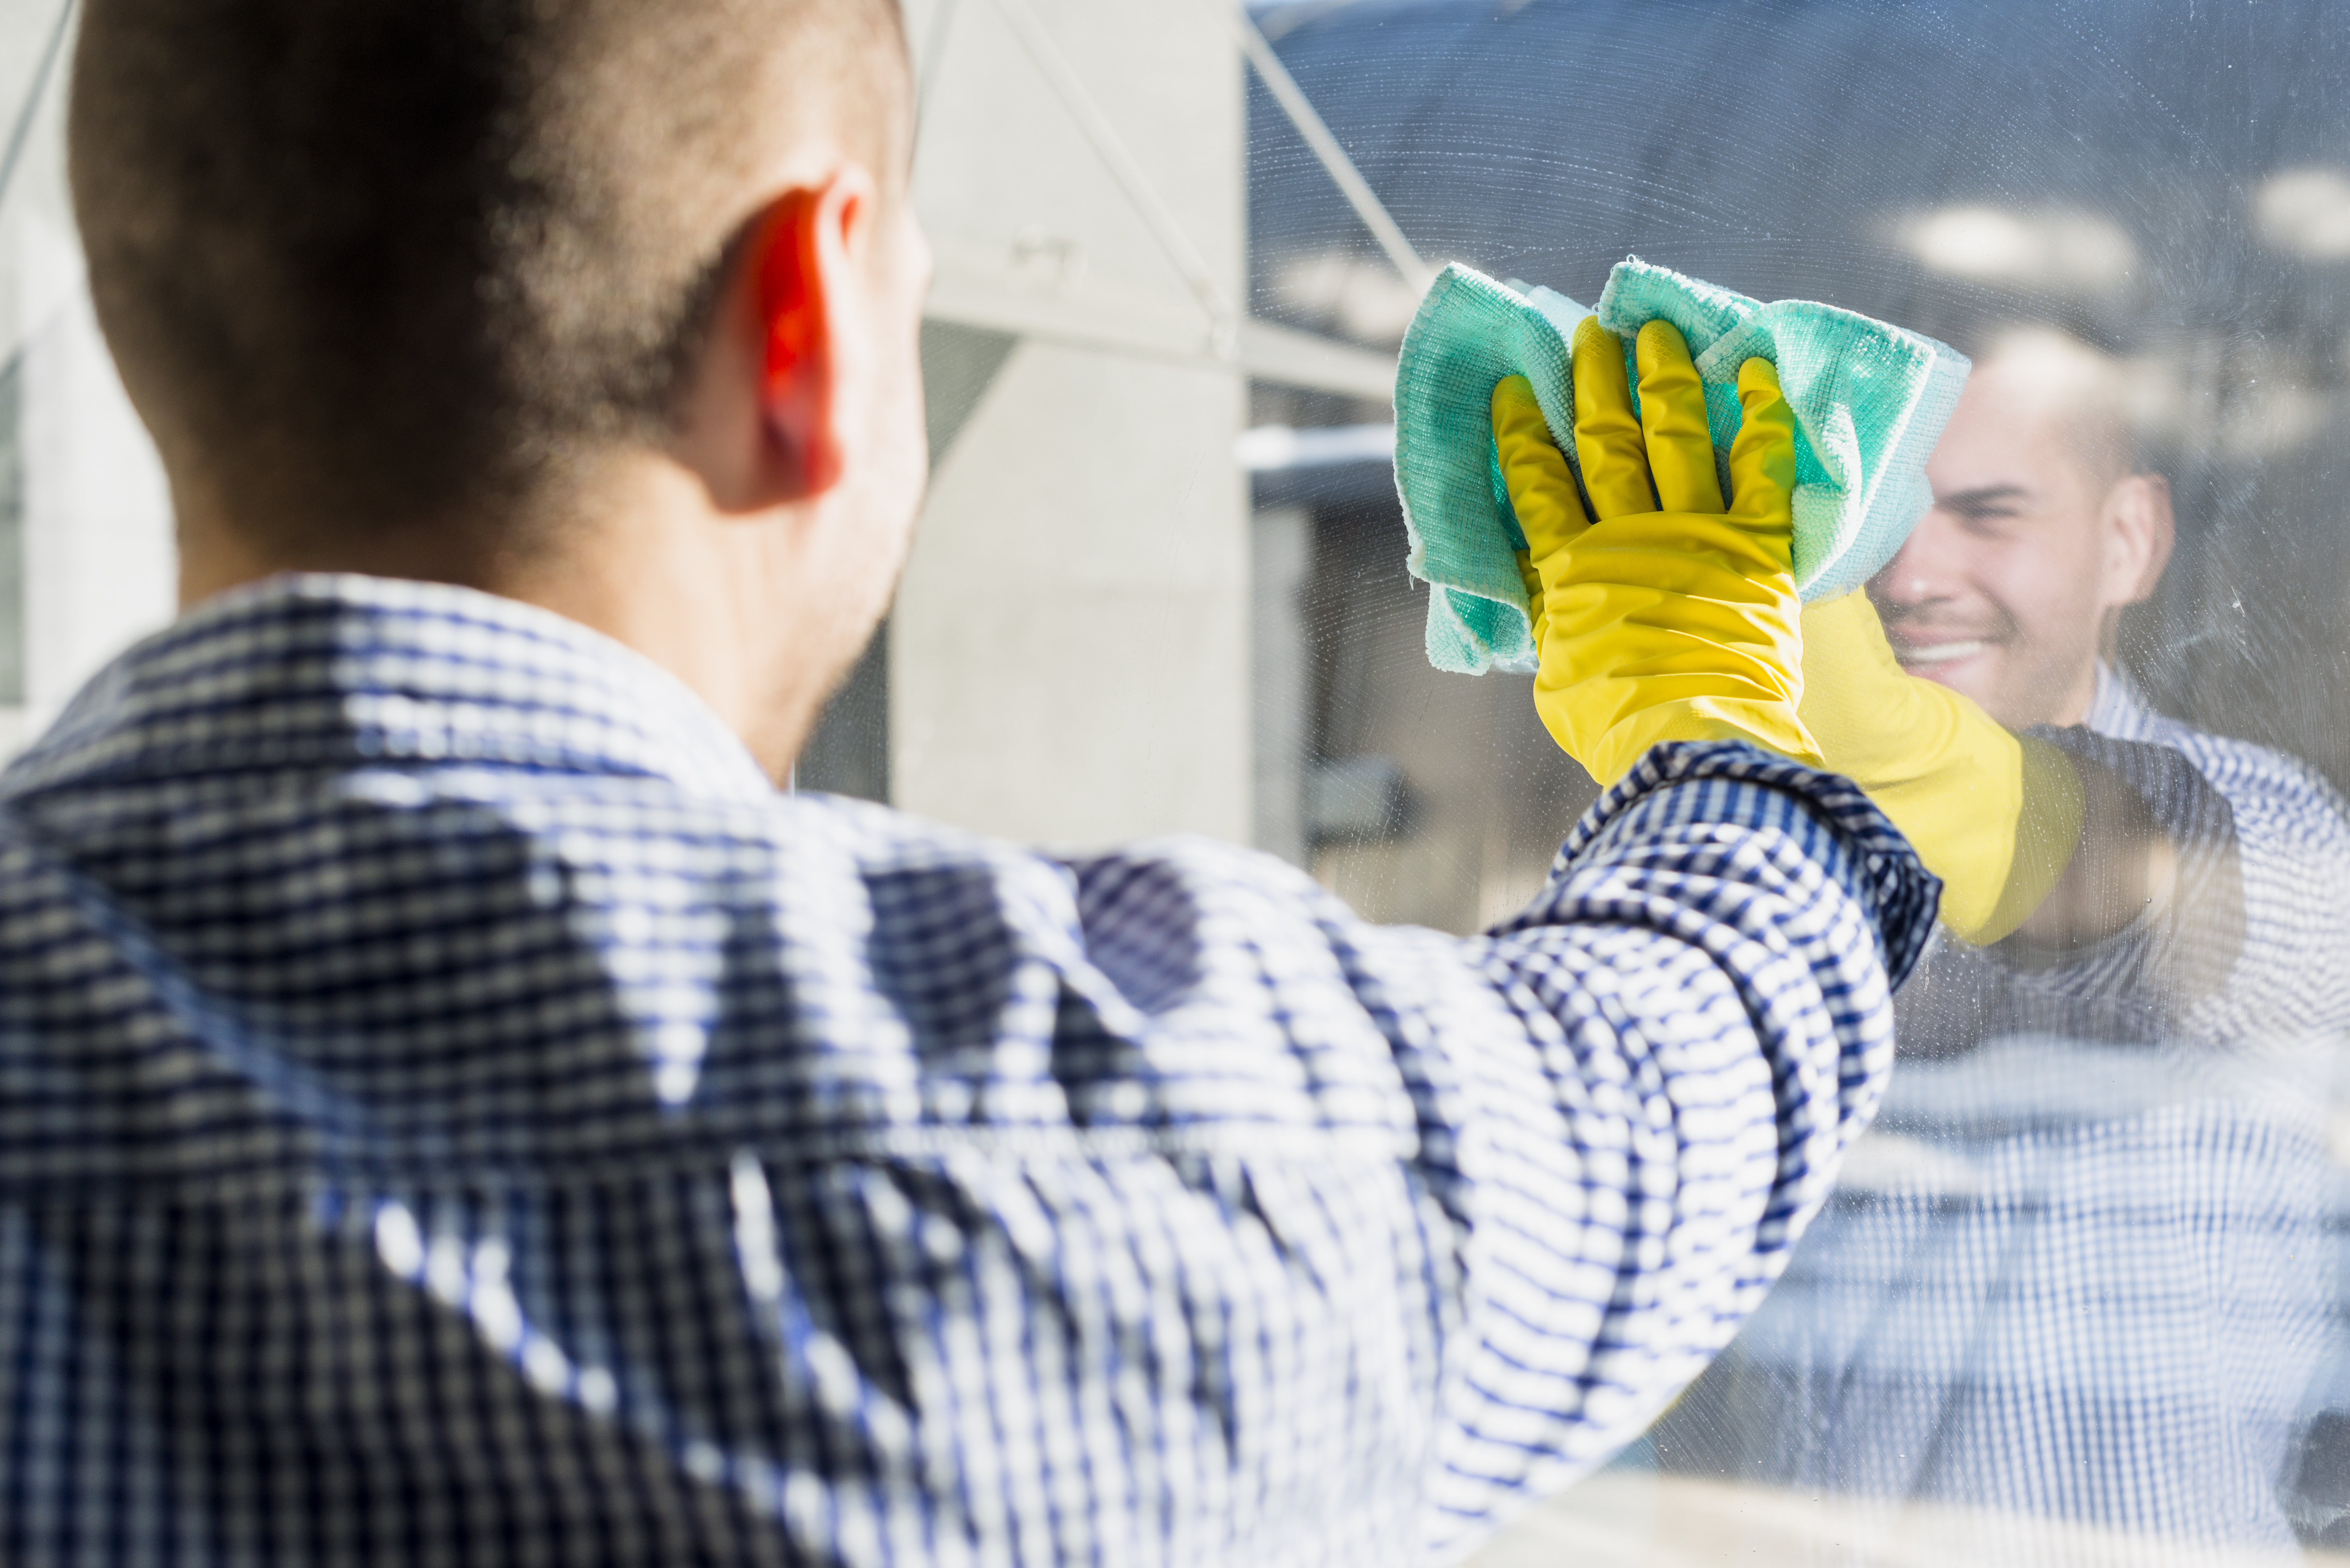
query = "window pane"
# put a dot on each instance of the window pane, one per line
(2079, 1295)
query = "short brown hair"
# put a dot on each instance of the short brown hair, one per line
(373, 262)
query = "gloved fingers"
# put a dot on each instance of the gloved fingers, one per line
(1672, 416)
(1763, 454)
(1606, 437)
(1542, 489)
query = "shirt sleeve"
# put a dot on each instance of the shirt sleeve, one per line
(785, 1181)
(2136, 986)
(1682, 1034)
(2248, 949)
(2292, 866)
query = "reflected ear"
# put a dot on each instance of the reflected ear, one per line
(2139, 531)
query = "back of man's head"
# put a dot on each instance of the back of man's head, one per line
(372, 264)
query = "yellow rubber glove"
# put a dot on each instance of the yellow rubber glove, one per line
(1995, 816)
(1672, 617)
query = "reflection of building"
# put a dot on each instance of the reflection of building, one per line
(1429, 798)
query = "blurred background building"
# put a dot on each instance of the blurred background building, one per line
(85, 555)
(1070, 655)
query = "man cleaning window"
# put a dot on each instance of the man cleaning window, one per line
(453, 1109)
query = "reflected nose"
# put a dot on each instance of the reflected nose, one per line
(1923, 572)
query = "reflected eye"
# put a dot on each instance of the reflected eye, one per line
(1995, 521)
(1984, 508)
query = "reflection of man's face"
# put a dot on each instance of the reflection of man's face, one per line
(2002, 592)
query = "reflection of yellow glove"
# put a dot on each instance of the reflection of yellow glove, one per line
(1672, 617)
(1995, 816)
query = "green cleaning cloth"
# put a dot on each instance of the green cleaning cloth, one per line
(1869, 401)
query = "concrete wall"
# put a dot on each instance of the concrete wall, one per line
(1069, 655)
(87, 562)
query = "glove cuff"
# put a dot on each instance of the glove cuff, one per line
(2047, 832)
(1773, 726)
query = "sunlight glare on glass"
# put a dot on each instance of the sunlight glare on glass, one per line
(2056, 247)
(2307, 212)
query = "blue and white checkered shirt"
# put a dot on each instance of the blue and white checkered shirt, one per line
(2085, 1268)
(454, 1111)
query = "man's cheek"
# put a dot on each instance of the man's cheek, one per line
(1965, 676)
(1997, 679)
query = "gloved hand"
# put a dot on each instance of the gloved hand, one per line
(1995, 816)
(1672, 617)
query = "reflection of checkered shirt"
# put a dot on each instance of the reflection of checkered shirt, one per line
(452, 1111)
(2292, 828)
(2082, 1276)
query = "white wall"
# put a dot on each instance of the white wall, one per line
(93, 520)
(99, 568)
(1069, 654)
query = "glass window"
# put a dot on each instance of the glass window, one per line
(2079, 1295)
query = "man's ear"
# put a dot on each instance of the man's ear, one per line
(2139, 531)
(768, 421)
(798, 281)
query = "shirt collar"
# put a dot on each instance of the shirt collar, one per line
(314, 669)
(2117, 707)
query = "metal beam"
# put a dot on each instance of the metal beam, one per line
(974, 288)
(1324, 146)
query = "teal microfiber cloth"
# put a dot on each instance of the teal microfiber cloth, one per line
(1869, 401)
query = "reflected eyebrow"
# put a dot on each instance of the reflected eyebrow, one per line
(1986, 498)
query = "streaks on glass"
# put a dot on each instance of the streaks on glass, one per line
(2081, 1297)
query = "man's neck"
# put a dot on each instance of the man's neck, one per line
(642, 566)
(2080, 696)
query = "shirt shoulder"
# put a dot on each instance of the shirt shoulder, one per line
(406, 968)
(2249, 776)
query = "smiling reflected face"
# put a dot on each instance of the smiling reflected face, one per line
(2008, 589)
